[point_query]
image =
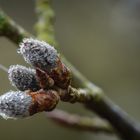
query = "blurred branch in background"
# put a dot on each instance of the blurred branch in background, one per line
(80, 123)
(3, 68)
(97, 102)
(45, 22)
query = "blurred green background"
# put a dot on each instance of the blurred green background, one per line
(102, 39)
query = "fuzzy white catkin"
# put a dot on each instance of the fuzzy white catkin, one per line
(15, 104)
(38, 53)
(23, 78)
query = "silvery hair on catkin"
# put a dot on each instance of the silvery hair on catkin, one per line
(38, 53)
(23, 78)
(15, 104)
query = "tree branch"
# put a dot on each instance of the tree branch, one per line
(79, 123)
(97, 101)
(15, 34)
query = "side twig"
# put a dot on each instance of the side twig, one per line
(44, 25)
(3, 68)
(79, 123)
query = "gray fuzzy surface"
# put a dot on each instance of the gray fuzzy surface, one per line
(38, 53)
(23, 78)
(15, 104)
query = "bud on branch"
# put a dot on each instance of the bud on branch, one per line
(44, 57)
(23, 78)
(18, 104)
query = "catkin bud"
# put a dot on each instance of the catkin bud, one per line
(43, 56)
(23, 78)
(39, 54)
(15, 104)
(18, 104)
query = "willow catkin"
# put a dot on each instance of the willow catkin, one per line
(23, 78)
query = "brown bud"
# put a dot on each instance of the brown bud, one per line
(43, 101)
(61, 75)
(43, 56)
(45, 81)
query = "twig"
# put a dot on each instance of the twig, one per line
(44, 25)
(79, 123)
(6, 29)
(97, 101)
(2, 67)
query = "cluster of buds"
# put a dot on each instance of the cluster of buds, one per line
(36, 87)
(44, 58)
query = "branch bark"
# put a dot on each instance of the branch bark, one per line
(15, 34)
